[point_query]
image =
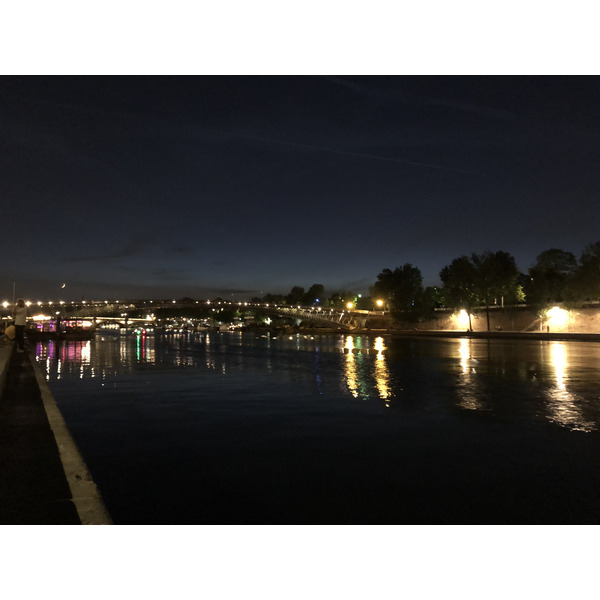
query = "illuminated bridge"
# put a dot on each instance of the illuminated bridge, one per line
(345, 320)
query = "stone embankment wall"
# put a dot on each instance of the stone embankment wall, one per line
(580, 320)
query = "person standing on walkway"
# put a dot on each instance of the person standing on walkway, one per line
(20, 316)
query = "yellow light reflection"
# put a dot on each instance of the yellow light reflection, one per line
(465, 354)
(564, 407)
(350, 367)
(468, 386)
(379, 345)
(123, 352)
(382, 374)
(559, 362)
(86, 352)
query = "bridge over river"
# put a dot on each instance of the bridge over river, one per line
(339, 319)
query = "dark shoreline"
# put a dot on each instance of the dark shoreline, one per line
(490, 335)
(504, 335)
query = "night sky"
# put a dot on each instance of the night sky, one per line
(208, 186)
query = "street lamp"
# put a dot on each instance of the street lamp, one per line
(349, 305)
(379, 303)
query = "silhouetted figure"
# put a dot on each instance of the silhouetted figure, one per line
(20, 316)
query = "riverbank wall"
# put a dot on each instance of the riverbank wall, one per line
(558, 320)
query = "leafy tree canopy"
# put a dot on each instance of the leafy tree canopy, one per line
(496, 275)
(586, 281)
(551, 277)
(460, 283)
(295, 296)
(315, 292)
(402, 289)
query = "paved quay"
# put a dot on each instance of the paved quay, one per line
(43, 479)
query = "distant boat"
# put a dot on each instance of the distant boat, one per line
(61, 329)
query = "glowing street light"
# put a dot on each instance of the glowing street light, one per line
(380, 303)
(557, 317)
(349, 305)
(462, 319)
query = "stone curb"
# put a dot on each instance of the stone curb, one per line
(6, 351)
(85, 493)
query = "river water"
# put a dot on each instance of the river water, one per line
(243, 428)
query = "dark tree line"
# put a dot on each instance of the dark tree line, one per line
(314, 296)
(492, 278)
(468, 282)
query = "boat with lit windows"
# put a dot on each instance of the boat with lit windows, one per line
(61, 329)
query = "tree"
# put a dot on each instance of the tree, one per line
(496, 276)
(364, 302)
(295, 296)
(460, 285)
(402, 289)
(227, 315)
(339, 300)
(586, 279)
(274, 298)
(551, 278)
(430, 300)
(316, 292)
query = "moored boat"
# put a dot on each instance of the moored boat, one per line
(61, 329)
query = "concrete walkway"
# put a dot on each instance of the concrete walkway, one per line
(43, 479)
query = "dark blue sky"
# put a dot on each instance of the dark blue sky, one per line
(206, 186)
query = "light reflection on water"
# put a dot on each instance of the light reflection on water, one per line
(551, 381)
(470, 397)
(382, 374)
(565, 406)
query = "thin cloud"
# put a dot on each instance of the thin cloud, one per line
(372, 90)
(135, 247)
(169, 275)
(356, 154)
(357, 284)
(182, 250)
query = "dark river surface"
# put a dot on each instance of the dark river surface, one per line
(232, 428)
